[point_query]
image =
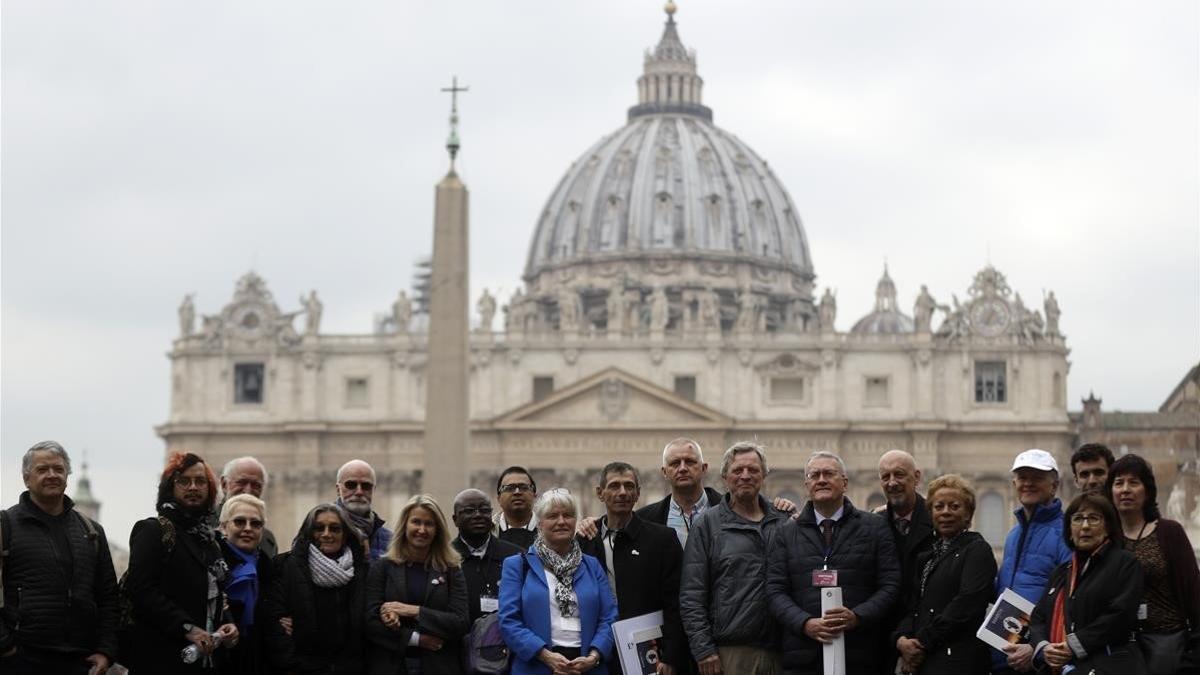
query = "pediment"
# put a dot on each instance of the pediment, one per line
(608, 399)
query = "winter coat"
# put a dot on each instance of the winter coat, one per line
(443, 613)
(249, 656)
(327, 623)
(1032, 549)
(946, 616)
(659, 510)
(483, 574)
(44, 610)
(167, 593)
(525, 611)
(1100, 616)
(868, 572)
(648, 559)
(723, 588)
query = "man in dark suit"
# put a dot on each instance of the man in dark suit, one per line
(482, 553)
(684, 468)
(643, 562)
(911, 526)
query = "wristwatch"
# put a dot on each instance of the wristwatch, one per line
(187, 628)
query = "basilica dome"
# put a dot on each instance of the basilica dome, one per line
(886, 318)
(672, 185)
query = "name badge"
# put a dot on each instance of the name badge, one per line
(488, 604)
(1142, 612)
(824, 578)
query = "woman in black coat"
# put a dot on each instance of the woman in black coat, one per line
(1087, 615)
(176, 576)
(315, 604)
(243, 518)
(417, 597)
(954, 583)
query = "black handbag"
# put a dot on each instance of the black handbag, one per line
(1162, 652)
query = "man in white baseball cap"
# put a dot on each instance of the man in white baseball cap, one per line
(1035, 545)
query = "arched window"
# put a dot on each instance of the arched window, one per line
(991, 518)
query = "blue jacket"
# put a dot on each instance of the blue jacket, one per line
(1032, 549)
(525, 610)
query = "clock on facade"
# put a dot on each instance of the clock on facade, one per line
(989, 316)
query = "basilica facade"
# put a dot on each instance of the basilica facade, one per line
(669, 290)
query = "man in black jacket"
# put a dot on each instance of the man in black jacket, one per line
(832, 544)
(482, 553)
(911, 527)
(60, 608)
(643, 561)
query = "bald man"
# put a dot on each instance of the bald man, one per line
(909, 520)
(356, 491)
(482, 553)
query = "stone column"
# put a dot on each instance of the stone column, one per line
(447, 403)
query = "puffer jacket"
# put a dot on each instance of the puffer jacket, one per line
(868, 572)
(44, 610)
(1033, 548)
(723, 594)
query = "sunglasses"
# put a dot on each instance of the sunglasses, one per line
(240, 522)
(366, 485)
(332, 529)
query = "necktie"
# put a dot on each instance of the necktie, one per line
(608, 559)
(902, 526)
(827, 532)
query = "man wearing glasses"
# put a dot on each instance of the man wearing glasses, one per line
(356, 489)
(482, 553)
(516, 492)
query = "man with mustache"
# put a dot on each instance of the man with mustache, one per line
(516, 492)
(833, 544)
(58, 577)
(356, 489)
(643, 561)
(482, 553)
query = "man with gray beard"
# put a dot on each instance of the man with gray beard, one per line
(356, 488)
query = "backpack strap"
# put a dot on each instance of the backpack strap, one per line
(92, 534)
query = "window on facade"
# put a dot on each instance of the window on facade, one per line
(685, 387)
(992, 518)
(248, 383)
(990, 386)
(787, 389)
(543, 386)
(357, 392)
(876, 393)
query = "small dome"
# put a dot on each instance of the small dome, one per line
(886, 319)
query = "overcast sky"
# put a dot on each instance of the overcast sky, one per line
(152, 149)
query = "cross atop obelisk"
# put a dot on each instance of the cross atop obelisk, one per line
(452, 143)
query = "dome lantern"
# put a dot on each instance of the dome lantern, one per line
(669, 82)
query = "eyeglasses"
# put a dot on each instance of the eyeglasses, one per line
(1089, 518)
(240, 522)
(352, 485)
(472, 510)
(516, 487)
(827, 474)
(191, 482)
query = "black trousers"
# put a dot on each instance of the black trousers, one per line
(26, 662)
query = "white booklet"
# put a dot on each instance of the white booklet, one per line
(638, 641)
(833, 654)
(1006, 620)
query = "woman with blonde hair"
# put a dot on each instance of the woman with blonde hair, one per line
(242, 522)
(417, 597)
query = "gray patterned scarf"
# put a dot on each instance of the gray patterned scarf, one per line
(563, 568)
(330, 572)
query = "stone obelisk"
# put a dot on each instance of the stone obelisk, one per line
(447, 424)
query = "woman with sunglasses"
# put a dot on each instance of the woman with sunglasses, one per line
(1088, 611)
(315, 606)
(242, 520)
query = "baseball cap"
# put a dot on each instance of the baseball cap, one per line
(1035, 459)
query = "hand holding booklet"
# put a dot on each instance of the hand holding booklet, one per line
(1006, 621)
(638, 641)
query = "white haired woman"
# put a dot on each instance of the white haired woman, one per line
(242, 520)
(556, 607)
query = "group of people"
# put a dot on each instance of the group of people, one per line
(738, 577)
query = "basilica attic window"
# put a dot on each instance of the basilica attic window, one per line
(990, 385)
(248, 383)
(685, 387)
(357, 392)
(787, 389)
(876, 392)
(543, 386)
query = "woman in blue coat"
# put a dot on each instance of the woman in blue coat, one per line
(556, 607)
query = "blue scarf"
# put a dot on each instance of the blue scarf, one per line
(243, 585)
